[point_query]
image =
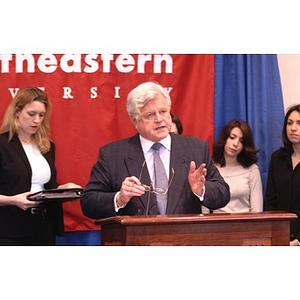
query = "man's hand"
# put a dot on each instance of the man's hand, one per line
(131, 187)
(197, 178)
(294, 243)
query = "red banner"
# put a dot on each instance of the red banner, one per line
(89, 93)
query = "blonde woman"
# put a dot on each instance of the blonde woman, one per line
(27, 165)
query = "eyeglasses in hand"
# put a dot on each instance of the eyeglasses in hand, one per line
(151, 188)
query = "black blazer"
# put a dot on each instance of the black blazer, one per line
(15, 178)
(125, 157)
(283, 188)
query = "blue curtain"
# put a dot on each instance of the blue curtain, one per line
(80, 238)
(248, 87)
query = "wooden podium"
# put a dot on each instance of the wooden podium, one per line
(266, 228)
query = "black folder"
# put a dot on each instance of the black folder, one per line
(61, 195)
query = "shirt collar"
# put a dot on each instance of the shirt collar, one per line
(147, 144)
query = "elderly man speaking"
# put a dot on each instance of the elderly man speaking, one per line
(155, 171)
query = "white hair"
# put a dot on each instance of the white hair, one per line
(141, 95)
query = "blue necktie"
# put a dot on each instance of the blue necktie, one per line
(161, 180)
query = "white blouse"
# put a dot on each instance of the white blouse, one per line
(41, 172)
(245, 190)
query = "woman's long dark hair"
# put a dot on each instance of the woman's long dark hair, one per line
(286, 142)
(177, 122)
(248, 155)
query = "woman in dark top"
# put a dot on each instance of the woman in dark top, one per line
(283, 184)
(27, 165)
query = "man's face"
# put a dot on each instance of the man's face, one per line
(155, 121)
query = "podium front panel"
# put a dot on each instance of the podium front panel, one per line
(196, 230)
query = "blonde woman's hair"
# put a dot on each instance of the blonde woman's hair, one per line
(12, 125)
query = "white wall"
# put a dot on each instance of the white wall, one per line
(289, 66)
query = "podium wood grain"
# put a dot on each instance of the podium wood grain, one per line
(266, 228)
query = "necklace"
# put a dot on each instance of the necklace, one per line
(25, 142)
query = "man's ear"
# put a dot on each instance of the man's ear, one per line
(133, 119)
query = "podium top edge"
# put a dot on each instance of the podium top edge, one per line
(196, 218)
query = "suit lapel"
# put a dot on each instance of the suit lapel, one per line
(17, 146)
(134, 162)
(179, 161)
(134, 158)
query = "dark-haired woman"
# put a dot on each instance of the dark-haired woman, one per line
(176, 124)
(283, 184)
(235, 156)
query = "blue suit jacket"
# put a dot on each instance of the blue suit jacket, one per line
(124, 158)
